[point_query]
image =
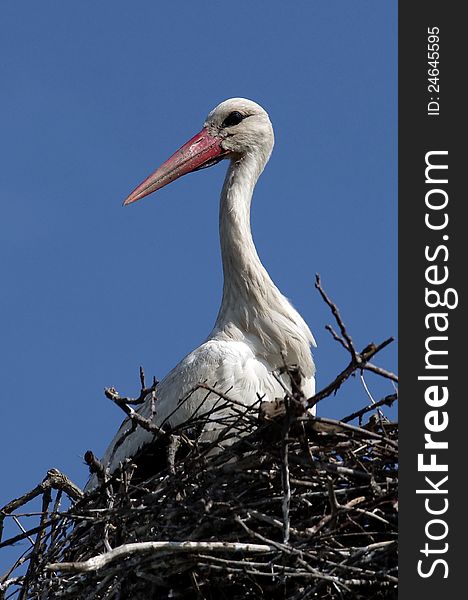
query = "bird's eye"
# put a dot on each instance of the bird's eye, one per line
(233, 118)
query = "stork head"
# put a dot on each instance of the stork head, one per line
(242, 126)
(233, 129)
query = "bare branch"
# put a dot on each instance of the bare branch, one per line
(95, 466)
(135, 416)
(54, 479)
(387, 401)
(348, 344)
(127, 550)
(113, 395)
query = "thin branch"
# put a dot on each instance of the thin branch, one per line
(46, 500)
(387, 401)
(20, 526)
(336, 313)
(285, 474)
(359, 430)
(379, 371)
(336, 337)
(144, 392)
(359, 360)
(368, 352)
(135, 416)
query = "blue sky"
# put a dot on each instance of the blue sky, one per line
(95, 96)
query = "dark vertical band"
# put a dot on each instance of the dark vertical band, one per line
(433, 267)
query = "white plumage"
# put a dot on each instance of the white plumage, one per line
(257, 330)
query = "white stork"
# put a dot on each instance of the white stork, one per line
(257, 330)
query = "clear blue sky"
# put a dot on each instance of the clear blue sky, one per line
(95, 95)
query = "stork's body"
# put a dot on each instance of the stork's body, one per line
(257, 330)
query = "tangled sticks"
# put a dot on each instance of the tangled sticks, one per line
(295, 507)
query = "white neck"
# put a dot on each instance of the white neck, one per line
(251, 302)
(245, 278)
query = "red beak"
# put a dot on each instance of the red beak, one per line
(203, 150)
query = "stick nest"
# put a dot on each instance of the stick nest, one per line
(282, 505)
